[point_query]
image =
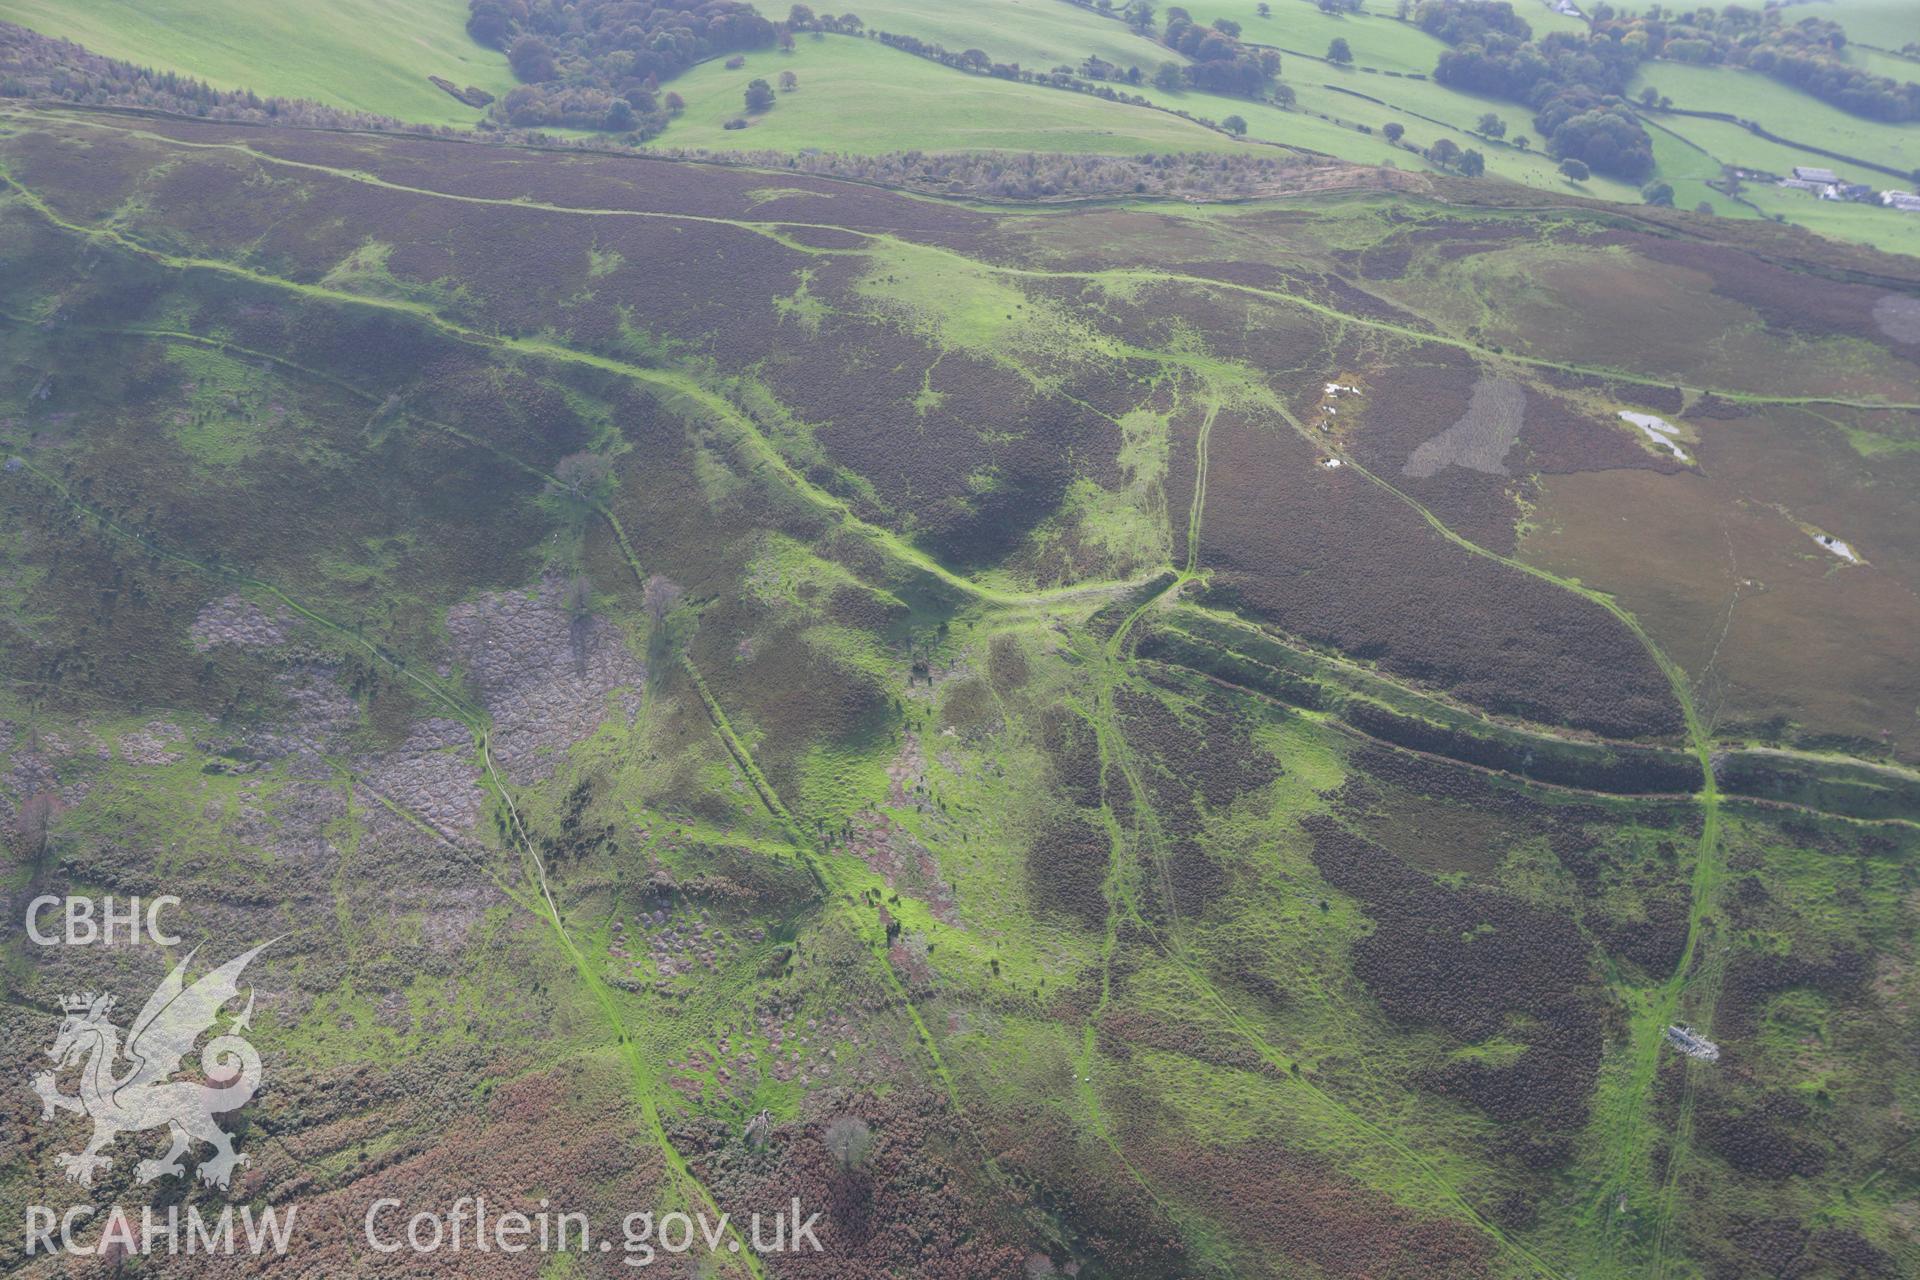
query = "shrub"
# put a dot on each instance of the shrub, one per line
(849, 1141)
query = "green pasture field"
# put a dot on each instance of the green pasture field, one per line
(1047, 33)
(1269, 123)
(1886, 24)
(1416, 103)
(1037, 34)
(1881, 63)
(1687, 168)
(1785, 111)
(1042, 34)
(364, 55)
(1377, 38)
(860, 96)
(1730, 144)
(1883, 228)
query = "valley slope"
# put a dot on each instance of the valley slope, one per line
(1201, 727)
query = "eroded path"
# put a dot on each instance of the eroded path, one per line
(534, 894)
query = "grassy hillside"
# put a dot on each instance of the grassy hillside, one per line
(1043, 34)
(1040, 34)
(1430, 111)
(1865, 224)
(1341, 110)
(1688, 169)
(861, 96)
(1377, 38)
(669, 650)
(1887, 24)
(366, 55)
(858, 96)
(1782, 110)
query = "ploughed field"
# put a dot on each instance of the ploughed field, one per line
(1202, 727)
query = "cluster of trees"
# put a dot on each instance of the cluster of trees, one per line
(1598, 129)
(1459, 22)
(759, 96)
(801, 18)
(1448, 155)
(598, 64)
(1028, 176)
(1804, 54)
(1848, 88)
(1572, 83)
(1220, 63)
(1575, 81)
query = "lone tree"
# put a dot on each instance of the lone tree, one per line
(1394, 132)
(674, 103)
(1472, 163)
(759, 95)
(1264, 10)
(1235, 126)
(1340, 51)
(659, 597)
(849, 1141)
(1659, 193)
(1491, 126)
(1575, 169)
(1445, 153)
(31, 824)
(581, 476)
(789, 82)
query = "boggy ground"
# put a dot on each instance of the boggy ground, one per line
(663, 644)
